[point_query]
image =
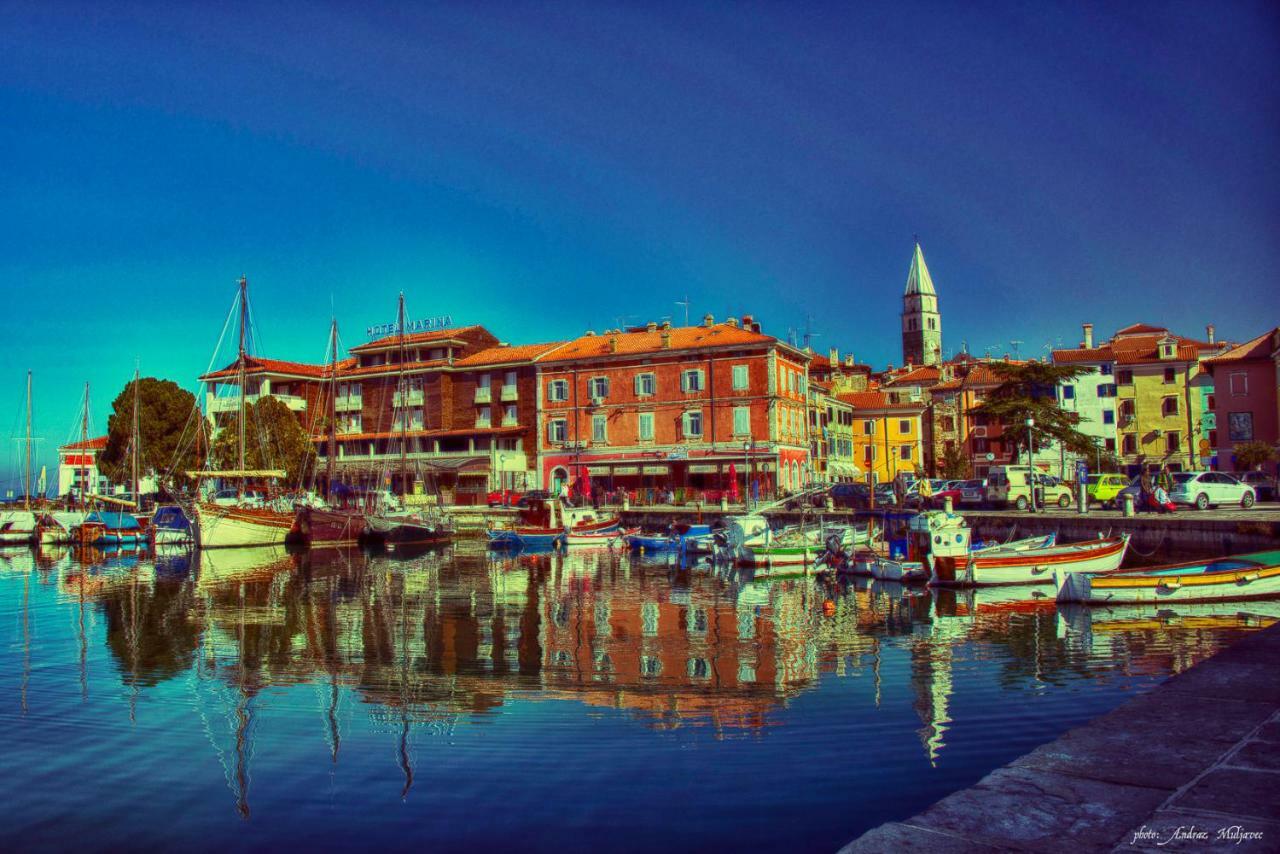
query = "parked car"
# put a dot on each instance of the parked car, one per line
(1012, 485)
(857, 496)
(948, 489)
(1205, 489)
(1264, 486)
(504, 497)
(533, 495)
(973, 493)
(1104, 489)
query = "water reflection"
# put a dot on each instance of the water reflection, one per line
(416, 645)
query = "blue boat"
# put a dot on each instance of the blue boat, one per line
(674, 540)
(105, 528)
(170, 526)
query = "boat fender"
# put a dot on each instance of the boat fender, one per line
(1170, 583)
(1247, 577)
(829, 608)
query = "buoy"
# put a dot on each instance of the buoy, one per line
(829, 608)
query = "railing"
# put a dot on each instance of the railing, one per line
(509, 393)
(344, 404)
(483, 422)
(414, 397)
(483, 395)
(510, 422)
(232, 404)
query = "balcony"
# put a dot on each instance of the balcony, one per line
(483, 423)
(484, 395)
(509, 394)
(346, 404)
(411, 398)
(232, 404)
(510, 421)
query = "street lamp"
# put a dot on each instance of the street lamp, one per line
(746, 455)
(1031, 466)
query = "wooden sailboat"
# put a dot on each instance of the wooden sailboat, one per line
(1247, 576)
(239, 524)
(399, 524)
(18, 527)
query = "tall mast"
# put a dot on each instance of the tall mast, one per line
(244, 315)
(84, 455)
(333, 406)
(27, 474)
(404, 405)
(136, 440)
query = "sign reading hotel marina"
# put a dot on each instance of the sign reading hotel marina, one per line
(426, 324)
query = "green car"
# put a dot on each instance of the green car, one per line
(1103, 488)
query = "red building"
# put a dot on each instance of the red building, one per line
(658, 407)
(1244, 401)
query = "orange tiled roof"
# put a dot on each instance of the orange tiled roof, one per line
(260, 365)
(416, 338)
(874, 400)
(419, 434)
(1258, 348)
(922, 374)
(635, 343)
(1142, 329)
(95, 444)
(353, 371)
(503, 355)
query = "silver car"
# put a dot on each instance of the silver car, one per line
(1205, 489)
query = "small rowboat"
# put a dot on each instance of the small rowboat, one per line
(608, 537)
(535, 536)
(1029, 566)
(1248, 576)
(886, 569)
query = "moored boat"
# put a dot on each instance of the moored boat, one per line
(171, 527)
(607, 537)
(1248, 576)
(1027, 566)
(225, 527)
(107, 528)
(58, 526)
(318, 526)
(17, 527)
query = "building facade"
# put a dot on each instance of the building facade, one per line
(682, 408)
(887, 437)
(1245, 381)
(78, 472)
(921, 322)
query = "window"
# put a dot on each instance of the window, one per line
(980, 419)
(1108, 416)
(1068, 392)
(1213, 438)
(600, 428)
(693, 424)
(1239, 382)
(1105, 369)
(1107, 390)
(740, 378)
(869, 454)
(646, 385)
(1125, 378)
(558, 390)
(644, 426)
(509, 379)
(742, 421)
(1211, 404)
(1109, 444)
(947, 423)
(509, 414)
(691, 380)
(980, 445)
(905, 451)
(1170, 375)
(1171, 444)
(482, 417)
(483, 380)
(1169, 406)
(1130, 444)
(598, 387)
(904, 426)
(1126, 409)
(869, 427)
(557, 430)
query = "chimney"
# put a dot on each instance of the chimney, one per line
(1088, 336)
(666, 324)
(848, 360)
(747, 321)
(613, 343)
(1210, 333)
(833, 356)
(652, 326)
(590, 333)
(733, 321)
(708, 320)
(666, 337)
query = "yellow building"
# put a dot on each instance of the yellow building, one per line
(887, 436)
(1159, 407)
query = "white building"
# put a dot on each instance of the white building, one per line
(78, 464)
(1092, 396)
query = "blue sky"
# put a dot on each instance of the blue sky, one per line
(548, 168)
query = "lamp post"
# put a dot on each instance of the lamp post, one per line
(746, 492)
(1031, 466)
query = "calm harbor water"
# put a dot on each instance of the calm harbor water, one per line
(246, 699)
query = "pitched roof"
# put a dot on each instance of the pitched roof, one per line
(870, 400)
(261, 365)
(916, 376)
(635, 343)
(1142, 329)
(1133, 345)
(506, 354)
(1258, 348)
(416, 338)
(95, 444)
(981, 374)
(918, 279)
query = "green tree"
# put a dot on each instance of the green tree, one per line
(273, 439)
(167, 421)
(953, 465)
(1030, 391)
(1252, 455)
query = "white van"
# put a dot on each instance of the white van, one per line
(1008, 485)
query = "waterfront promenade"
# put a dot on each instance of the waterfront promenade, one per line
(1192, 765)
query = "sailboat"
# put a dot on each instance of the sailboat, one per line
(323, 524)
(395, 522)
(62, 526)
(18, 527)
(240, 524)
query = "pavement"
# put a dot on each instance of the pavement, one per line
(1193, 765)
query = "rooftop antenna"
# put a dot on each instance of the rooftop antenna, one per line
(1014, 345)
(685, 302)
(621, 321)
(809, 334)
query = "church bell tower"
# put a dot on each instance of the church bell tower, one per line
(921, 323)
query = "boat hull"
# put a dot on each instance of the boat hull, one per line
(327, 527)
(1231, 579)
(509, 537)
(1029, 566)
(234, 527)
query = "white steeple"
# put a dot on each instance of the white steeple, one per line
(921, 322)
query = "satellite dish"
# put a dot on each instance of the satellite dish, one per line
(990, 456)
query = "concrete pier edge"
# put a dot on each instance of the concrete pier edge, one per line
(1192, 765)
